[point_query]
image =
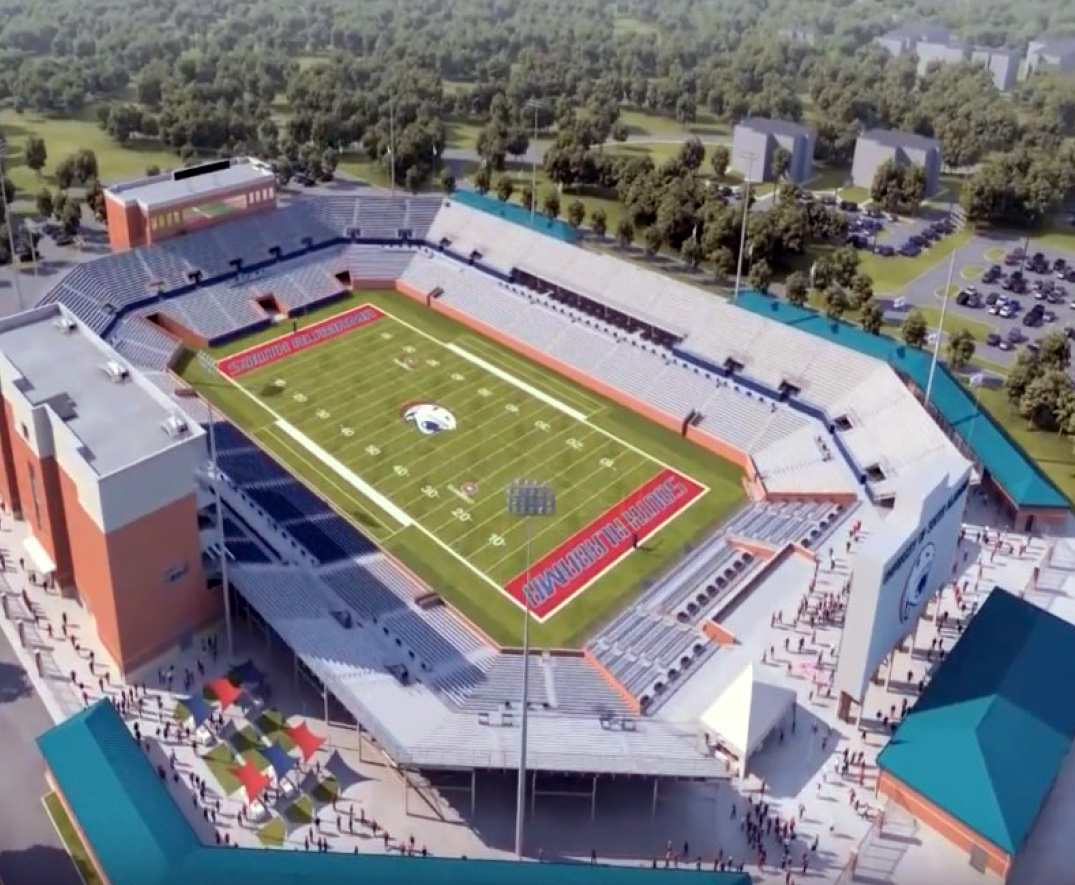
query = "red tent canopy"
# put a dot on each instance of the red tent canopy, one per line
(307, 742)
(252, 779)
(225, 692)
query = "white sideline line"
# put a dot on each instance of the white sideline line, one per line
(346, 473)
(497, 372)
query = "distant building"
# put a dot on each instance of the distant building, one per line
(1002, 64)
(876, 146)
(947, 53)
(1056, 54)
(906, 37)
(756, 139)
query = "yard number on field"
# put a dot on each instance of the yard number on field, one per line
(574, 444)
(430, 492)
(373, 450)
(461, 514)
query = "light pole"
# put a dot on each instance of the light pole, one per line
(392, 143)
(743, 231)
(527, 500)
(940, 326)
(10, 224)
(214, 476)
(534, 105)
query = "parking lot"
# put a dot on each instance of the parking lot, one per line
(983, 313)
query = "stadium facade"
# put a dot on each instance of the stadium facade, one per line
(819, 430)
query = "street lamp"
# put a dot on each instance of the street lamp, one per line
(528, 500)
(743, 231)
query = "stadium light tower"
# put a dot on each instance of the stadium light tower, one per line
(527, 500)
(392, 143)
(10, 224)
(940, 326)
(743, 231)
(214, 476)
(534, 105)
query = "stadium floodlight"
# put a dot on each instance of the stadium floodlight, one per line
(10, 224)
(535, 105)
(743, 232)
(527, 500)
(214, 477)
(940, 327)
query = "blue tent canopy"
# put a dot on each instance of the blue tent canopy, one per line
(197, 707)
(278, 758)
(246, 673)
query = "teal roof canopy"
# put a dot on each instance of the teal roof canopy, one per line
(987, 738)
(1015, 472)
(140, 836)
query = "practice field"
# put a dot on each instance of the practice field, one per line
(416, 435)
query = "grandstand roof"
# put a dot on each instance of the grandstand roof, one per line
(183, 185)
(1012, 469)
(988, 736)
(64, 369)
(140, 837)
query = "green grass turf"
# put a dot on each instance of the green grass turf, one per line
(954, 322)
(503, 433)
(71, 840)
(66, 135)
(892, 274)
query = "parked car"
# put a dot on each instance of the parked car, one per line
(910, 250)
(993, 274)
(1060, 264)
(884, 250)
(1034, 316)
(993, 339)
(828, 200)
(849, 205)
(1015, 335)
(992, 298)
(874, 212)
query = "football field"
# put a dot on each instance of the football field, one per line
(415, 436)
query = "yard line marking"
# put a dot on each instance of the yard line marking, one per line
(517, 382)
(460, 494)
(345, 472)
(403, 365)
(328, 459)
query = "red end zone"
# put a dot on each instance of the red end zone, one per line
(562, 573)
(262, 354)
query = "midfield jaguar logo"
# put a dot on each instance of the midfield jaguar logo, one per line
(917, 581)
(429, 418)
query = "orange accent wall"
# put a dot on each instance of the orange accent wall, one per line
(9, 488)
(51, 528)
(998, 860)
(120, 577)
(720, 634)
(126, 226)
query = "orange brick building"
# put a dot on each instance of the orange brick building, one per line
(162, 206)
(102, 469)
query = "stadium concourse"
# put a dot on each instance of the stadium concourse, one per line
(828, 439)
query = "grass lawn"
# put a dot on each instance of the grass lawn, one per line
(643, 122)
(1058, 234)
(891, 275)
(79, 856)
(462, 544)
(1051, 451)
(272, 835)
(301, 811)
(66, 135)
(996, 254)
(828, 178)
(971, 272)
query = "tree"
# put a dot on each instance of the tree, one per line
(619, 131)
(897, 186)
(71, 217)
(780, 163)
(576, 213)
(873, 318)
(153, 169)
(797, 288)
(447, 180)
(483, 178)
(691, 252)
(64, 173)
(960, 348)
(412, 179)
(526, 196)
(1054, 351)
(551, 205)
(598, 221)
(653, 240)
(85, 163)
(723, 260)
(505, 187)
(719, 160)
(625, 232)
(1019, 377)
(44, 203)
(915, 332)
(692, 153)
(835, 301)
(861, 291)
(1045, 397)
(760, 276)
(35, 154)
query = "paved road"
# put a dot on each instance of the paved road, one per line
(31, 852)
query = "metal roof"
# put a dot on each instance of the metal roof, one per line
(140, 836)
(774, 127)
(896, 139)
(1016, 473)
(173, 187)
(987, 738)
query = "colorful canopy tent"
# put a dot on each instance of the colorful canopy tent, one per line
(745, 714)
(246, 673)
(254, 781)
(307, 742)
(226, 693)
(278, 758)
(197, 707)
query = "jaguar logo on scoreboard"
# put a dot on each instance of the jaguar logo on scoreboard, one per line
(918, 581)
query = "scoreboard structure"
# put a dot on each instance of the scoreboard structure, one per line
(184, 200)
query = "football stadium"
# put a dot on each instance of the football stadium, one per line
(324, 404)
